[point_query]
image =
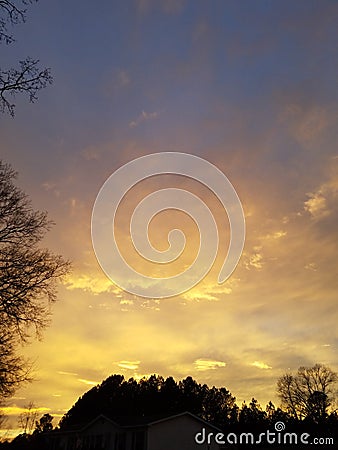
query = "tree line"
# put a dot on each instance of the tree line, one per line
(306, 396)
(307, 404)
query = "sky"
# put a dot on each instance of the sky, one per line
(251, 87)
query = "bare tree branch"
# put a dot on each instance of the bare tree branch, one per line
(28, 78)
(12, 12)
(27, 418)
(28, 278)
(14, 369)
(309, 393)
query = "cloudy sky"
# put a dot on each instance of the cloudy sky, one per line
(249, 86)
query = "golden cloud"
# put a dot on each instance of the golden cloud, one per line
(88, 382)
(208, 364)
(129, 365)
(94, 284)
(16, 410)
(260, 365)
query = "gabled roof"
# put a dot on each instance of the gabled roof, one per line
(185, 413)
(128, 422)
(97, 418)
(81, 428)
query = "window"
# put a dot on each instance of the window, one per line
(138, 440)
(121, 441)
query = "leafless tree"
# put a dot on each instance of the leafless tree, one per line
(14, 369)
(27, 418)
(308, 393)
(28, 277)
(27, 78)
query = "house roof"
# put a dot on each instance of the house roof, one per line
(138, 421)
(185, 413)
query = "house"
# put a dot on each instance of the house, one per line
(176, 432)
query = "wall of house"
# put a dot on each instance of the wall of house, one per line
(179, 433)
(100, 435)
(173, 434)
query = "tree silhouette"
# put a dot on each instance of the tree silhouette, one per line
(27, 419)
(28, 276)
(318, 404)
(252, 415)
(44, 424)
(155, 397)
(218, 406)
(308, 393)
(270, 411)
(117, 397)
(27, 77)
(14, 369)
